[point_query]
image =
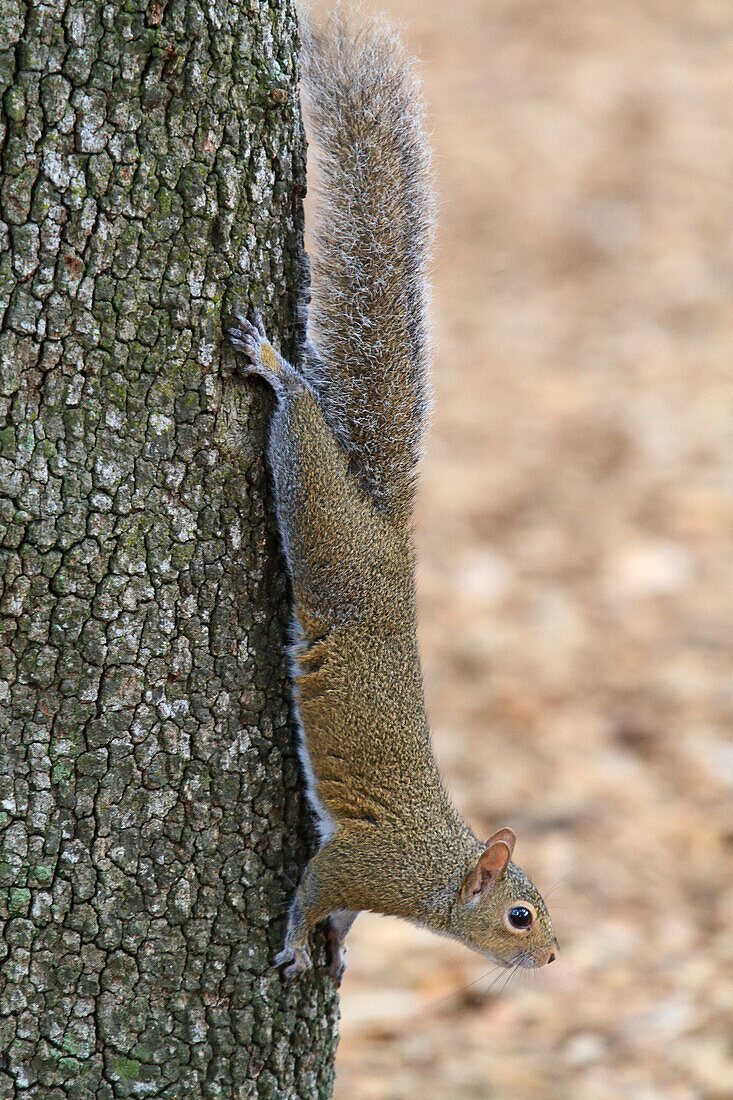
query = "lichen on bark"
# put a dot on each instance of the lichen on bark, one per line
(151, 817)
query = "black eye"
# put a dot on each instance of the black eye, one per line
(520, 916)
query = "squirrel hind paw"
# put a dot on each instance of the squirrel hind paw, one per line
(252, 327)
(244, 337)
(292, 962)
(249, 339)
(248, 361)
(240, 341)
(255, 326)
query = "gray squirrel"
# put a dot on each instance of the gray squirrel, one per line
(344, 445)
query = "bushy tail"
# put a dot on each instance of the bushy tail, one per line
(373, 221)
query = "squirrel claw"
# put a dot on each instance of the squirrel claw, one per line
(248, 338)
(254, 327)
(245, 330)
(258, 323)
(292, 962)
(242, 341)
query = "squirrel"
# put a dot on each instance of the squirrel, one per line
(343, 449)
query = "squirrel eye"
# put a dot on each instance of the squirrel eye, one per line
(519, 918)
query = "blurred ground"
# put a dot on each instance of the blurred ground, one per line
(576, 545)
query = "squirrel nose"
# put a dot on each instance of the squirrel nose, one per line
(551, 958)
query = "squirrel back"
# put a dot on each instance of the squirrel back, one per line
(372, 228)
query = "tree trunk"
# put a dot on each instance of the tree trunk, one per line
(150, 803)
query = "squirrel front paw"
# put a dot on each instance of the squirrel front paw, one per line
(250, 338)
(293, 961)
(336, 959)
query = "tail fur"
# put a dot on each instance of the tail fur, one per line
(369, 280)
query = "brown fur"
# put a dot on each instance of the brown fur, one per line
(343, 447)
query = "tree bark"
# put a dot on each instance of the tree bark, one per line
(151, 814)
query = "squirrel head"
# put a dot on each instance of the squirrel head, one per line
(498, 911)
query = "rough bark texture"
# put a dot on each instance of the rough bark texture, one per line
(151, 816)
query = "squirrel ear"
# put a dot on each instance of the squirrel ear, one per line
(491, 866)
(507, 835)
